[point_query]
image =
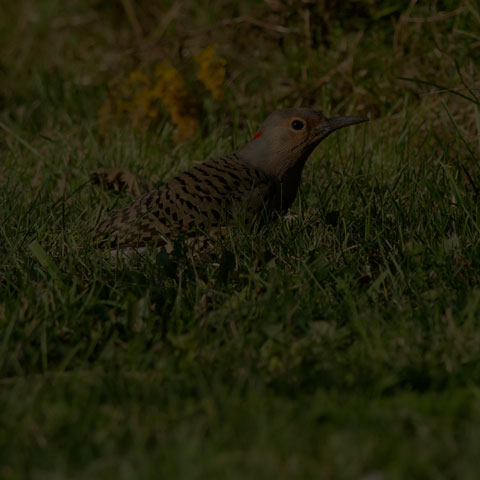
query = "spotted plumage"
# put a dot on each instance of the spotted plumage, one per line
(263, 176)
(199, 199)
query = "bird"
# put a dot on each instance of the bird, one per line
(260, 178)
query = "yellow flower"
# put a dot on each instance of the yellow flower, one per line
(138, 77)
(139, 98)
(212, 71)
(170, 89)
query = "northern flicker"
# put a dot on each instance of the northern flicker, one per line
(262, 176)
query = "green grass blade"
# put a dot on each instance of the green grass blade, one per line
(440, 87)
(45, 260)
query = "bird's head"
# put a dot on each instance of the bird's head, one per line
(287, 137)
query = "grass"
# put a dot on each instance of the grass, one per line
(340, 341)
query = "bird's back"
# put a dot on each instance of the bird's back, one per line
(204, 197)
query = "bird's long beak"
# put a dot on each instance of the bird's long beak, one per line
(335, 123)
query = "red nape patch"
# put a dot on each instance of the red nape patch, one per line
(259, 134)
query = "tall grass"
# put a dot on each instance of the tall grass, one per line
(341, 340)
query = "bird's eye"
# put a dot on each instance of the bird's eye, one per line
(297, 124)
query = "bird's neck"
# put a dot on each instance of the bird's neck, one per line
(290, 182)
(283, 167)
(260, 155)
